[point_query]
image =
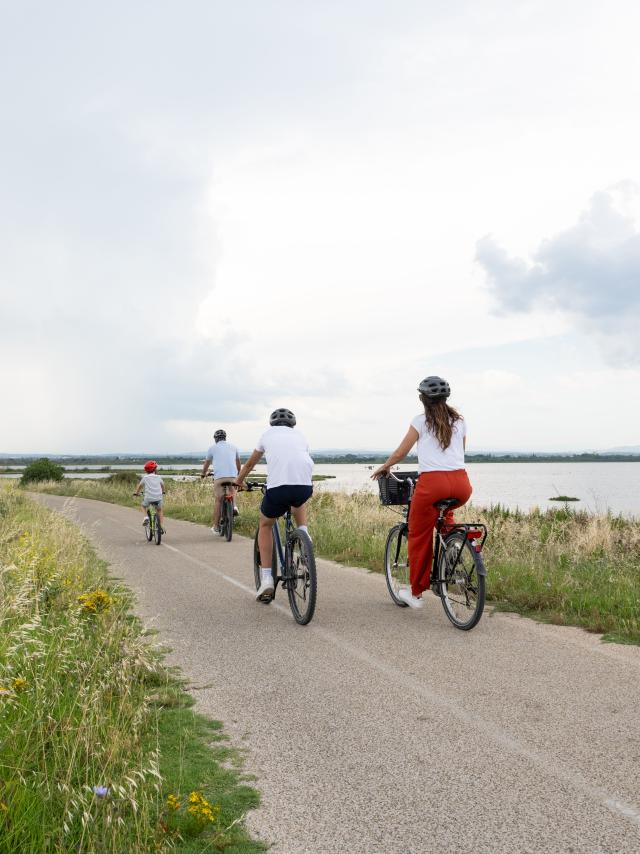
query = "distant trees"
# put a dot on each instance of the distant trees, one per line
(42, 469)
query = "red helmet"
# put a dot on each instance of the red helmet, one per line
(150, 466)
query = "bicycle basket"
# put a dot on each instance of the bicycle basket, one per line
(396, 491)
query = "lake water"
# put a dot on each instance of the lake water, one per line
(599, 486)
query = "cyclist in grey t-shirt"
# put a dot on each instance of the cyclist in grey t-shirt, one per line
(226, 465)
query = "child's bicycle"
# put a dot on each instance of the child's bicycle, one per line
(458, 574)
(153, 531)
(294, 565)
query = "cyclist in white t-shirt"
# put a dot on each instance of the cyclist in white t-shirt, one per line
(226, 465)
(441, 434)
(154, 491)
(289, 484)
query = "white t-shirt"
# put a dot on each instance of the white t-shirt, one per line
(223, 456)
(152, 487)
(431, 457)
(288, 460)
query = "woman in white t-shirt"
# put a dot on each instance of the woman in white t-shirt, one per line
(440, 432)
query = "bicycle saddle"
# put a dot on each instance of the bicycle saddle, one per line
(445, 503)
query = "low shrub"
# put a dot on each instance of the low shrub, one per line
(42, 469)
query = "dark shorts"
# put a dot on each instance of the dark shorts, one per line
(277, 501)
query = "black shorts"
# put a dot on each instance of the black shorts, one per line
(277, 501)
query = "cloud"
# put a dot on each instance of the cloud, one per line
(590, 272)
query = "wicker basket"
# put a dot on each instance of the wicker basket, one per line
(396, 491)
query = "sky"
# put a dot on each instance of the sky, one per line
(209, 210)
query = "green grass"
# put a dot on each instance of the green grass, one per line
(561, 565)
(85, 701)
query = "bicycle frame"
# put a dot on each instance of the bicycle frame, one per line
(282, 548)
(469, 530)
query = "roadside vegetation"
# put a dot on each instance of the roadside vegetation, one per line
(100, 749)
(564, 566)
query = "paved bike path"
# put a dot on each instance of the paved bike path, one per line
(381, 730)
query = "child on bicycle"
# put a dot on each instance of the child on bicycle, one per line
(440, 432)
(154, 490)
(289, 484)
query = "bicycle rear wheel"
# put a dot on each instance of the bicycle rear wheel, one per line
(158, 530)
(228, 507)
(257, 566)
(396, 562)
(463, 590)
(148, 529)
(302, 584)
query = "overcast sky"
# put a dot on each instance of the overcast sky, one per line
(210, 209)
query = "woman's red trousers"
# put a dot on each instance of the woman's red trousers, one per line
(432, 486)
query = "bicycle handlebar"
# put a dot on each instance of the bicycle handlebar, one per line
(250, 485)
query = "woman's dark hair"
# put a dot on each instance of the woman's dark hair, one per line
(440, 419)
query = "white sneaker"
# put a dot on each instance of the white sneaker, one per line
(265, 591)
(405, 595)
(236, 512)
(215, 529)
(146, 521)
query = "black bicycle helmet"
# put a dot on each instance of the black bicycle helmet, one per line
(435, 388)
(282, 418)
(220, 435)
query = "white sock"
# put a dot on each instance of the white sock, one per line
(266, 574)
(303, 528)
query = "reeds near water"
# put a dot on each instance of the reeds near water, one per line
(562, 565)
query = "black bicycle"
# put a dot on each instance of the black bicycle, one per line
(293, 565)
(458, 574)
(225, 525)
(226, 513)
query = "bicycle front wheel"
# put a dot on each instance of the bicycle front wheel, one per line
(463, 590)
(302, 584)
(396, 562)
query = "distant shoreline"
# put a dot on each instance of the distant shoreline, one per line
(106, 462)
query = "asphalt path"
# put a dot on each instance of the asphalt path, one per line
(378, 729)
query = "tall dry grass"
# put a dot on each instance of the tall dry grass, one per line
(94, 731)
(74, 774)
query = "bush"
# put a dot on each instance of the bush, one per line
(42, 469)
(128, 478)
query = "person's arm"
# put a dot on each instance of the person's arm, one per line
(247, 467)
(399, 454)
(205, 467)
(137, 492)
(238, 463)
(164, 491)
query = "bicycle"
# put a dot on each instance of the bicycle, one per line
(226, 513)
(294, 565)
(458, 574)
(225, 525)
(153, 531)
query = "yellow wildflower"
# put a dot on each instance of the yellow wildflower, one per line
(200, 808)
(19, 683)
(173, 802)
(94, 602)
(3, 807)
